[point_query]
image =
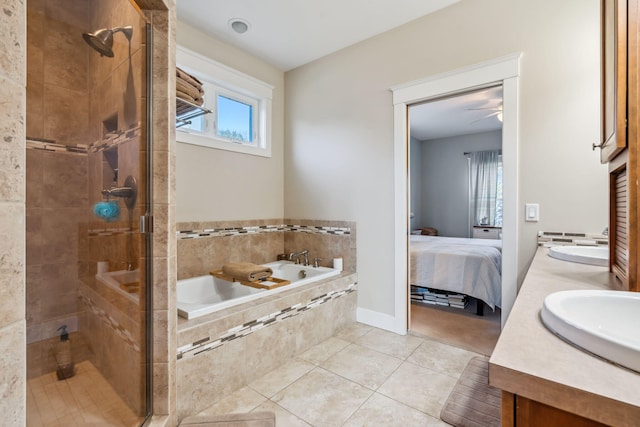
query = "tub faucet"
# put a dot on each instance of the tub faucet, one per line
(297, 256)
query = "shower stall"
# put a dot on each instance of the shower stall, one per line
(87, 189)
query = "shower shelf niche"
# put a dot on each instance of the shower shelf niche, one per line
(185, 111)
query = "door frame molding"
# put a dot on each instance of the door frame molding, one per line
(504, 70)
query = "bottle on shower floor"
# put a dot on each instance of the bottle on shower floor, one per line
(64, 361)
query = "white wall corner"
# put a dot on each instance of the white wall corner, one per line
(381, 320)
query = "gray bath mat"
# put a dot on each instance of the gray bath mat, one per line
(473, 402)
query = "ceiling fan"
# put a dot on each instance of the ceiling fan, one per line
(493, 112)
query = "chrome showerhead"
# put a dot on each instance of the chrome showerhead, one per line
(102, 40)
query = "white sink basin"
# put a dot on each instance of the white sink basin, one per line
(604, 323)
(593, 255)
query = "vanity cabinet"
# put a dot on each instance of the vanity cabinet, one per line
(621, 118)
(522, 412)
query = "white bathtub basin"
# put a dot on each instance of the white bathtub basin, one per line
(202, 295)
(593, 255)
(604, 323)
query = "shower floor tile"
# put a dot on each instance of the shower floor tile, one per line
(85, 399)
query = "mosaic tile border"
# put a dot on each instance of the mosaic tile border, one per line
(99, 232)
(111, 323)
(52, 146)
(110, 140)
(236, 231)
(206, 344)
(115, 138)
(558, 238)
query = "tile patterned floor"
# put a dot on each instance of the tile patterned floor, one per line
(86, 399)
(363, 376)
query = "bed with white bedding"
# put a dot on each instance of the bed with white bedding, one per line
(467, 266)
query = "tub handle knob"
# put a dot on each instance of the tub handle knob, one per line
(316, 262)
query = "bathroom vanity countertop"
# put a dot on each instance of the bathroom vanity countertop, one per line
(532, 362)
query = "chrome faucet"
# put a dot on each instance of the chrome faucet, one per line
(297, 255)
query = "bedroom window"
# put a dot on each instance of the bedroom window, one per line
(485, 196)
(241, 108)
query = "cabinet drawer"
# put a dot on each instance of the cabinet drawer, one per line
(486, 232)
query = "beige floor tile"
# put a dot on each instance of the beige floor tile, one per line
(324, 350)
(441, 358)
(418, 387)
(400, 346)
(243, 400)
(379, 410)
(353, 332)
(280, 378)
(322, 398)
(367, 367)
(284, 418)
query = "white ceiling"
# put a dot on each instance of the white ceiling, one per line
(460, 115)
(291, 33)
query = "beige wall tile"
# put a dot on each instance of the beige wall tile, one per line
(12, 264)
(65, 53)
(65, 183)
(66, 115)
(76, 14)
(12, 373)
(195, 389)
(12, 156)
(13, 40)
(35, 109)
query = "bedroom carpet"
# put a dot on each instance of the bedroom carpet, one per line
(459, 328)
(473, 402)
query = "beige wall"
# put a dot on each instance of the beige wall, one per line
(215, 184)
(339, 126)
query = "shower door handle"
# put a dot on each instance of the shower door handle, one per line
(146, 224)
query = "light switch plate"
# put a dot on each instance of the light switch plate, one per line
(532, 212)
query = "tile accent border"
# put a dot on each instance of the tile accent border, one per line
(52, 146)
(99, 232)
(111, 139)
(236, 231)
(110, 322)
(205, 344)
(114, 138)
(558, 238)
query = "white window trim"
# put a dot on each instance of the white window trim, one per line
(236, 82)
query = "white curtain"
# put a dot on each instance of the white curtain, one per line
(483, 186)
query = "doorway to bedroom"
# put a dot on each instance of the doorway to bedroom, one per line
(455, 218)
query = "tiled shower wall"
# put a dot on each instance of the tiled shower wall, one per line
(13, 72)
(206, 246)
(79, 105)
(56, 190)
(56, 184)
(12, 212)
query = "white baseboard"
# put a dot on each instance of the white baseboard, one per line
(380, 320)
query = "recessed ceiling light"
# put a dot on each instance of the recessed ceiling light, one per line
(238, 25)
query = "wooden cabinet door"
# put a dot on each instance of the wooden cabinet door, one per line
(530, 413)
(614, 79)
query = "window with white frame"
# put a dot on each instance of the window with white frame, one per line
(240, 105)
